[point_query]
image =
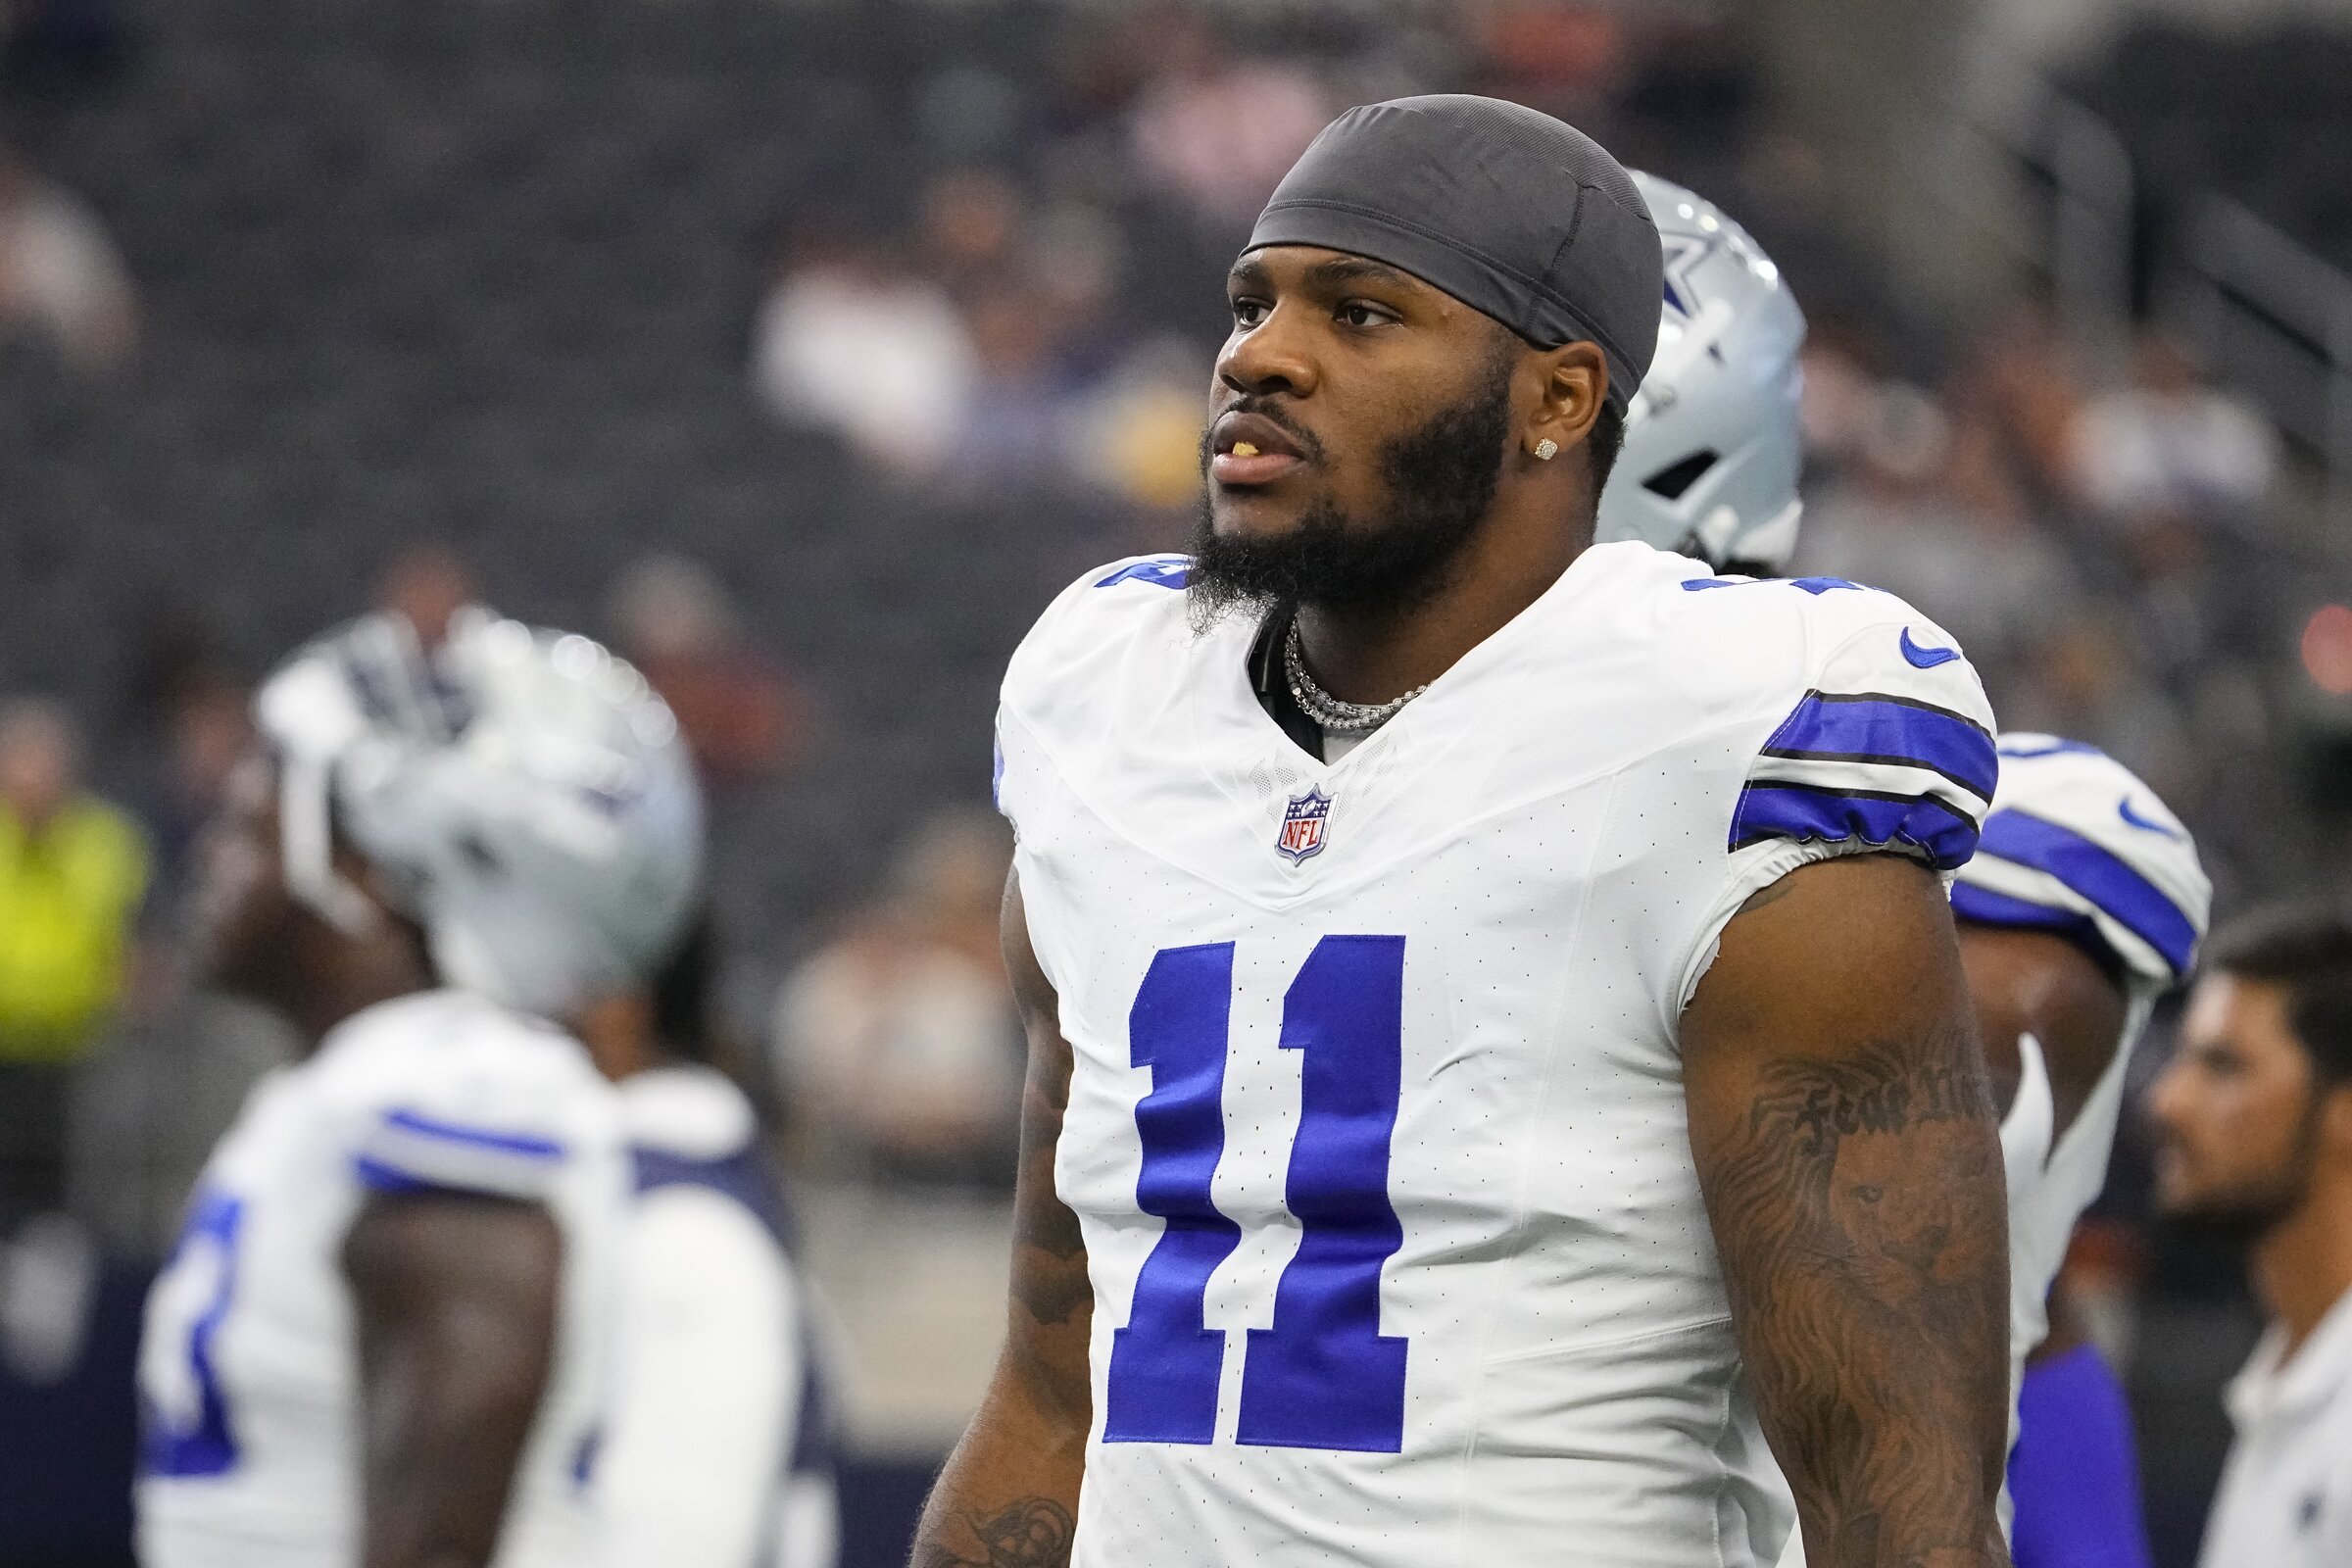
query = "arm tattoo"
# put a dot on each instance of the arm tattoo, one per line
(1859, 1209)
(1033, 1533)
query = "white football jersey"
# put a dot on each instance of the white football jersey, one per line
(247, 1374)
(714, 1450)
(1376, 1127)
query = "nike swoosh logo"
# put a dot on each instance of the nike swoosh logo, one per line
(1919, 658)
(2123, 809)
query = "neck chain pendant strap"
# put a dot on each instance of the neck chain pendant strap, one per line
(1329, 712)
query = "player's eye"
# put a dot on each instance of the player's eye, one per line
(1363, 313)
(1249, 313)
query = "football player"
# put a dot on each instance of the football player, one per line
(2084, 903)
(716, 1448)
(1499, 1048)
(380, 1337)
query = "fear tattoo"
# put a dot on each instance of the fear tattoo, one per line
(1858, 1209)
(1033, 1533)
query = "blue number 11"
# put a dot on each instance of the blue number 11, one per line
(1323, 1376)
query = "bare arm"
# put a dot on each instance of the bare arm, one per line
(1849, 1153)
(2031, 982)
(1008, 1496)
(455, 1297)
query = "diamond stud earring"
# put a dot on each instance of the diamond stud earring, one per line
(1547, 450)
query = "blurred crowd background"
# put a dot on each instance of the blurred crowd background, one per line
(803, 349)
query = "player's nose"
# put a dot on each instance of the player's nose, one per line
(1270, 357)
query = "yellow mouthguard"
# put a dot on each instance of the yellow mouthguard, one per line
(1242, 449)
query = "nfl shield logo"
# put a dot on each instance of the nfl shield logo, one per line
(1303, 825)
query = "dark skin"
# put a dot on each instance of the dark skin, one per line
(1009, 1495)
(454, 1295)
(2029, 982)
(1842, 1128)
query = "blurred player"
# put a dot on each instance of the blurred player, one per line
(2255, 1115)
(715, 1449)
(1496, 1028)
(1713, 449)
(379, 1338)
(2083, 905)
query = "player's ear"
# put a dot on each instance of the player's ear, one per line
(1573, 386)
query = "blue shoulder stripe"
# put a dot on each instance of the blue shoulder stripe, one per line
(1876, 727)
(377, 1176)
(1802, 812)
(1171, 571)
(741, 1177)
(515, 1144)
(1984, 906)
(2134, 902)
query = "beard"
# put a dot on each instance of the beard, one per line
(1441, 479)
(2249, 1210)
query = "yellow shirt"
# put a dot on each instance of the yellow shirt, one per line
(67, 899)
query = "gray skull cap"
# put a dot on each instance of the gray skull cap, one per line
(1513, 213)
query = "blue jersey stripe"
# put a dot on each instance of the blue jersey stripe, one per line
(1984, 906)
(1874, 727)
(1171, 571)
(515, 1144)
(379, 1177)
(2123, 893)
(1802, 811)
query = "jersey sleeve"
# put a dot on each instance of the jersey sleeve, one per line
(1052, 688)
(466, 1098)
(1890, 750)
(1887, 749)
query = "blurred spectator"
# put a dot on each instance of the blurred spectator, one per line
(674, 619)
(71, 874)
(425, 585)
(1542, 49)
(897, 1043)
(1929, 513)
(2021, 382)
(207, 727)
(971, 218)
(851, 342)
(61, 278)
(2090, 684)
(1018, 424)
(1140, 432)
(1220, 132)
(2169, 445)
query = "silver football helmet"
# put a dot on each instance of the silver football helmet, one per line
(524, 793)
(1712, 446)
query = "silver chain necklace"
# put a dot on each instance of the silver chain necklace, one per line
(1328, 712)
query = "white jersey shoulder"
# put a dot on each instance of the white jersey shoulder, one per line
(447, 1090)
(248, 1377)
(1375, 1127)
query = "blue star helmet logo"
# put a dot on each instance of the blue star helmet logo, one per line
(1683, 253)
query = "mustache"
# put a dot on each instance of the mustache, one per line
(1266, 408)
